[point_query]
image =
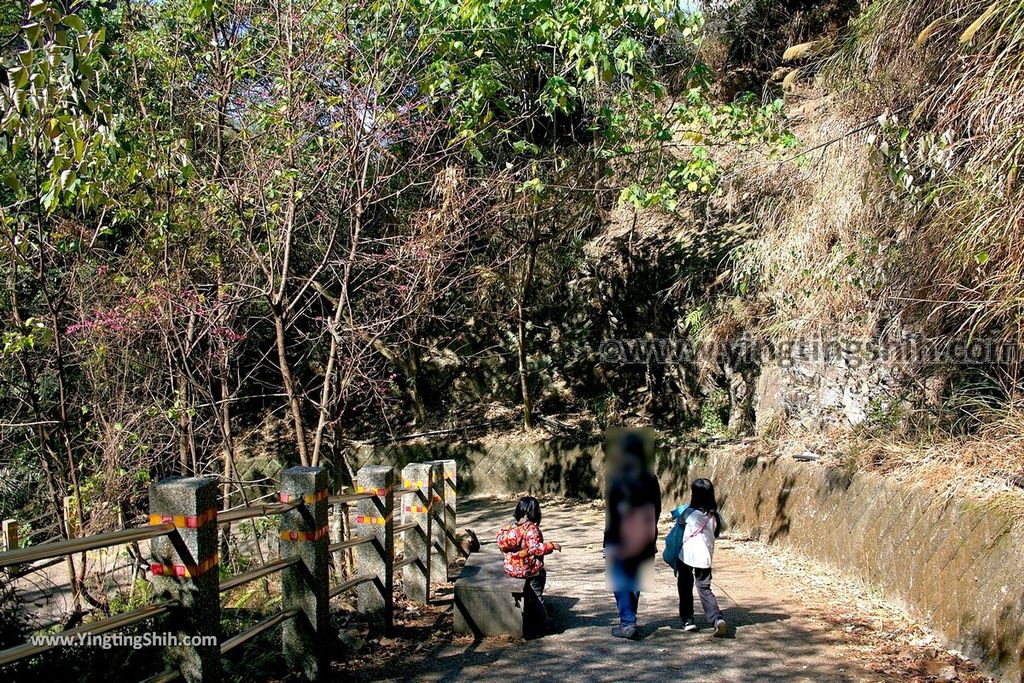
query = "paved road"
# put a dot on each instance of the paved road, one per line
(773, 636)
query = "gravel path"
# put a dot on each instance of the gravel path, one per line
(771, 635)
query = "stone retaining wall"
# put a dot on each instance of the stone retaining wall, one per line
(958, 564)
(567, 466)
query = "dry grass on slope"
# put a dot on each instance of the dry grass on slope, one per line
(988, 465)
(955, 68)
(926, 224)
(923, 229)
(810, 262)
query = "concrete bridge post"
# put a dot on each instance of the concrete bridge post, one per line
(416, 508)
(438, 526)
(446, 516)
(375, 516)
(304, 585)
(10, 530)
(184, 569)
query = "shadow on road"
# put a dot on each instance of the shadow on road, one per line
(766, 640)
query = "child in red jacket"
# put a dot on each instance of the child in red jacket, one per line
(524, 548)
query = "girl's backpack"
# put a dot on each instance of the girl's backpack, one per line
(508, 539)
(674, 540)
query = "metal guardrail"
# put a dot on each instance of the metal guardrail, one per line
(345, 498)
(350, 584)
(350, 543)
(17, 652)
(49, 528)
(263, 510)
(33, 520)
(164, 677)
(261, 626)
(258, 573)
(25, 571)
(78, 545)
(405, 562)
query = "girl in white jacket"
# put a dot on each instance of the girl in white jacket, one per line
(702, 524)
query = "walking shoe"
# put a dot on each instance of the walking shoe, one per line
(689, 625)
(721, 628)
(631, 632)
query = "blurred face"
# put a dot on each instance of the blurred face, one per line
(627, 454)
(631, 465)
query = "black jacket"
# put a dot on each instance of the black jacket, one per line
(626, 494)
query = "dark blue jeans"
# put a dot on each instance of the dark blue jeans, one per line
(625, 587)
(627, 602)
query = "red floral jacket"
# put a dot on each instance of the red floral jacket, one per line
(529, 558)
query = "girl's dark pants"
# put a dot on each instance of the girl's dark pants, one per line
(534, 613)
(684, 581)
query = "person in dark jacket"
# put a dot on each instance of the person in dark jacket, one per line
(633, 505)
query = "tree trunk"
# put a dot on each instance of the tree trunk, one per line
(229, 452)
(184, 449)
(413, 375)
(294, 403)
(740, 401)
(341, 311)
(524, 376)
(279, 303)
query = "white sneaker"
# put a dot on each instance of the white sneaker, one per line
(721, 628)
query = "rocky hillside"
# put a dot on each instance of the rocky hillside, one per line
(859, 293)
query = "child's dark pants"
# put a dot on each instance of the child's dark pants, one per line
(684, 581)
(534, 613)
